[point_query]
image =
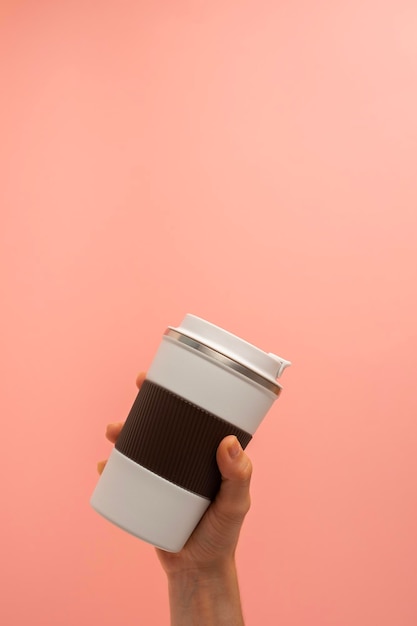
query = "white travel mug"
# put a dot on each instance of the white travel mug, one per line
(203, 384)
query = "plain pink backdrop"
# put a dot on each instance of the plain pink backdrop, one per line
(254, 163)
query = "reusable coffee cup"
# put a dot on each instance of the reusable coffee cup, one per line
(203, 384)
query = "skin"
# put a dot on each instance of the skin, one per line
(202, 578)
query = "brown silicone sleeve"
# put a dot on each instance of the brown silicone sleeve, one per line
(176, 439)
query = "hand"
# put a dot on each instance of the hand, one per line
(212, 545)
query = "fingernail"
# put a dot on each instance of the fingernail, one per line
(234, 449)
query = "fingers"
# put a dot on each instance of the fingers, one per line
(100, 466)
(233, 500)
(113, 431)
(140, 378)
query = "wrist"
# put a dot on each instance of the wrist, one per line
(207, 595)
(206, 573)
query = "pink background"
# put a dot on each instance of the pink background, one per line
(254, 163)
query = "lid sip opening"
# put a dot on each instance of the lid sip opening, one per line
(282, 364)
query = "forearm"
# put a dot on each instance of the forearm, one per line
(205, 598)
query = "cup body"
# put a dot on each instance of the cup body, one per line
(202, 385)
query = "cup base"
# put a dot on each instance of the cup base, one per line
(147, 505)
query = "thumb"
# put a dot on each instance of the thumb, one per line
(233, 499)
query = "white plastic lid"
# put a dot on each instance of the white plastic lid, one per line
(267, 365)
